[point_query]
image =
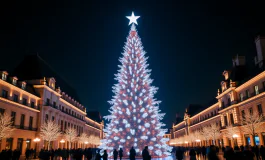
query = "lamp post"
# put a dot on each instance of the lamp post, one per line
(62, 142)
(86, 142)
(235, 136)
(36, 140)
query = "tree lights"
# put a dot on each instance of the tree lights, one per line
(135, 115)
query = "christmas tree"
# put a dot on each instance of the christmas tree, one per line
(135, 115)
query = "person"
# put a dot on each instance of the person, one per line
(115, 154)
(179, 153)
(27, 154)
(121, 153)
(132, 154)
(262, 152)
(229, 153)
(192, 154)
(145, 154)
(105, 155)
(52, 153)
(212, 153)
(256, 149)
(88, 154)
(98, 156)
(203, 152)
(248, 154)
(238, 155)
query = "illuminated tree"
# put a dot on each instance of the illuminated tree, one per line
(252, 123)
(213, 132)
(70, 135)
(83, 138)
(134, 115)
(49, 132)
(6, 129)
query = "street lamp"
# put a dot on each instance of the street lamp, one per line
(86, 142)
(62, 142)
(234, 137)
(36, 140)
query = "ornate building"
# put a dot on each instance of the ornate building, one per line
(33, 94)
(241, 92)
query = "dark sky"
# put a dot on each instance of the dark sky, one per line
(189, 44)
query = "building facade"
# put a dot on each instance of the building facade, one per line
(32, 101)
(241, 92)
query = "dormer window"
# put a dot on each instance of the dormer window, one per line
(4, 75)
(14, 81)
(23, 85)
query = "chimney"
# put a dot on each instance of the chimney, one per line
(260, 47)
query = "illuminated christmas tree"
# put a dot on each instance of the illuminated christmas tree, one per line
(135, 115)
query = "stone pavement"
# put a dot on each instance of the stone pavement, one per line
(167, 158)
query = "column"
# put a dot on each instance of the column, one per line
(3, 144)
(14, 146)
(251, 140)
(24, 144)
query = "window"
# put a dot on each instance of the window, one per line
(65, 124)
(3, 76)
(15, 98)
(61, 125)
(23, 86)
(2, 111)
(24, 101)
(4, 93)
(22, 121)
(63, 108)
(260, 109)
(231, 119)
(243, 114)
(263, 83)
(47, 102)
(250, 111)
(225, 120)
(223, 104)
(30, 122)
(54, 104)
(241, 96)
(32, 105)
(247, 94)
(52, 118)
(14, 81)
(256, 88)
(46, 118)
(228, 101)
(13, 117)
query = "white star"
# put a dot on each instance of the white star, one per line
(133, 18)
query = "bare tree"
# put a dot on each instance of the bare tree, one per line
(231, 132)
(49, 131)
(252, 123)
(91, 139)
(6, 129)
(205, 134)
(83, 138)
(70, 135)
(213, 132)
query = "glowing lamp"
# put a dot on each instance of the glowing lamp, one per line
(235, 136)
(197, 140)
(62, 141)
(86, 142)
(36, 140)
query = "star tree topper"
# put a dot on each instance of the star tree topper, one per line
(133, 18)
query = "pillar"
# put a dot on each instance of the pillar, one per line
(24, 144)
(261, 139)
(3, 144)
(251, 140)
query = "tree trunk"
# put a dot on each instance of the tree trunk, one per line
(48, 145)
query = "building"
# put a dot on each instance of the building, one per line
(241, 91)
(34, 94)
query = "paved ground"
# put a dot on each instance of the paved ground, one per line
(168, 158)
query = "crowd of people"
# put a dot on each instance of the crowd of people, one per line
(229, 153)
(10, 155)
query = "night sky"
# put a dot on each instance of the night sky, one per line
(189, 44)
